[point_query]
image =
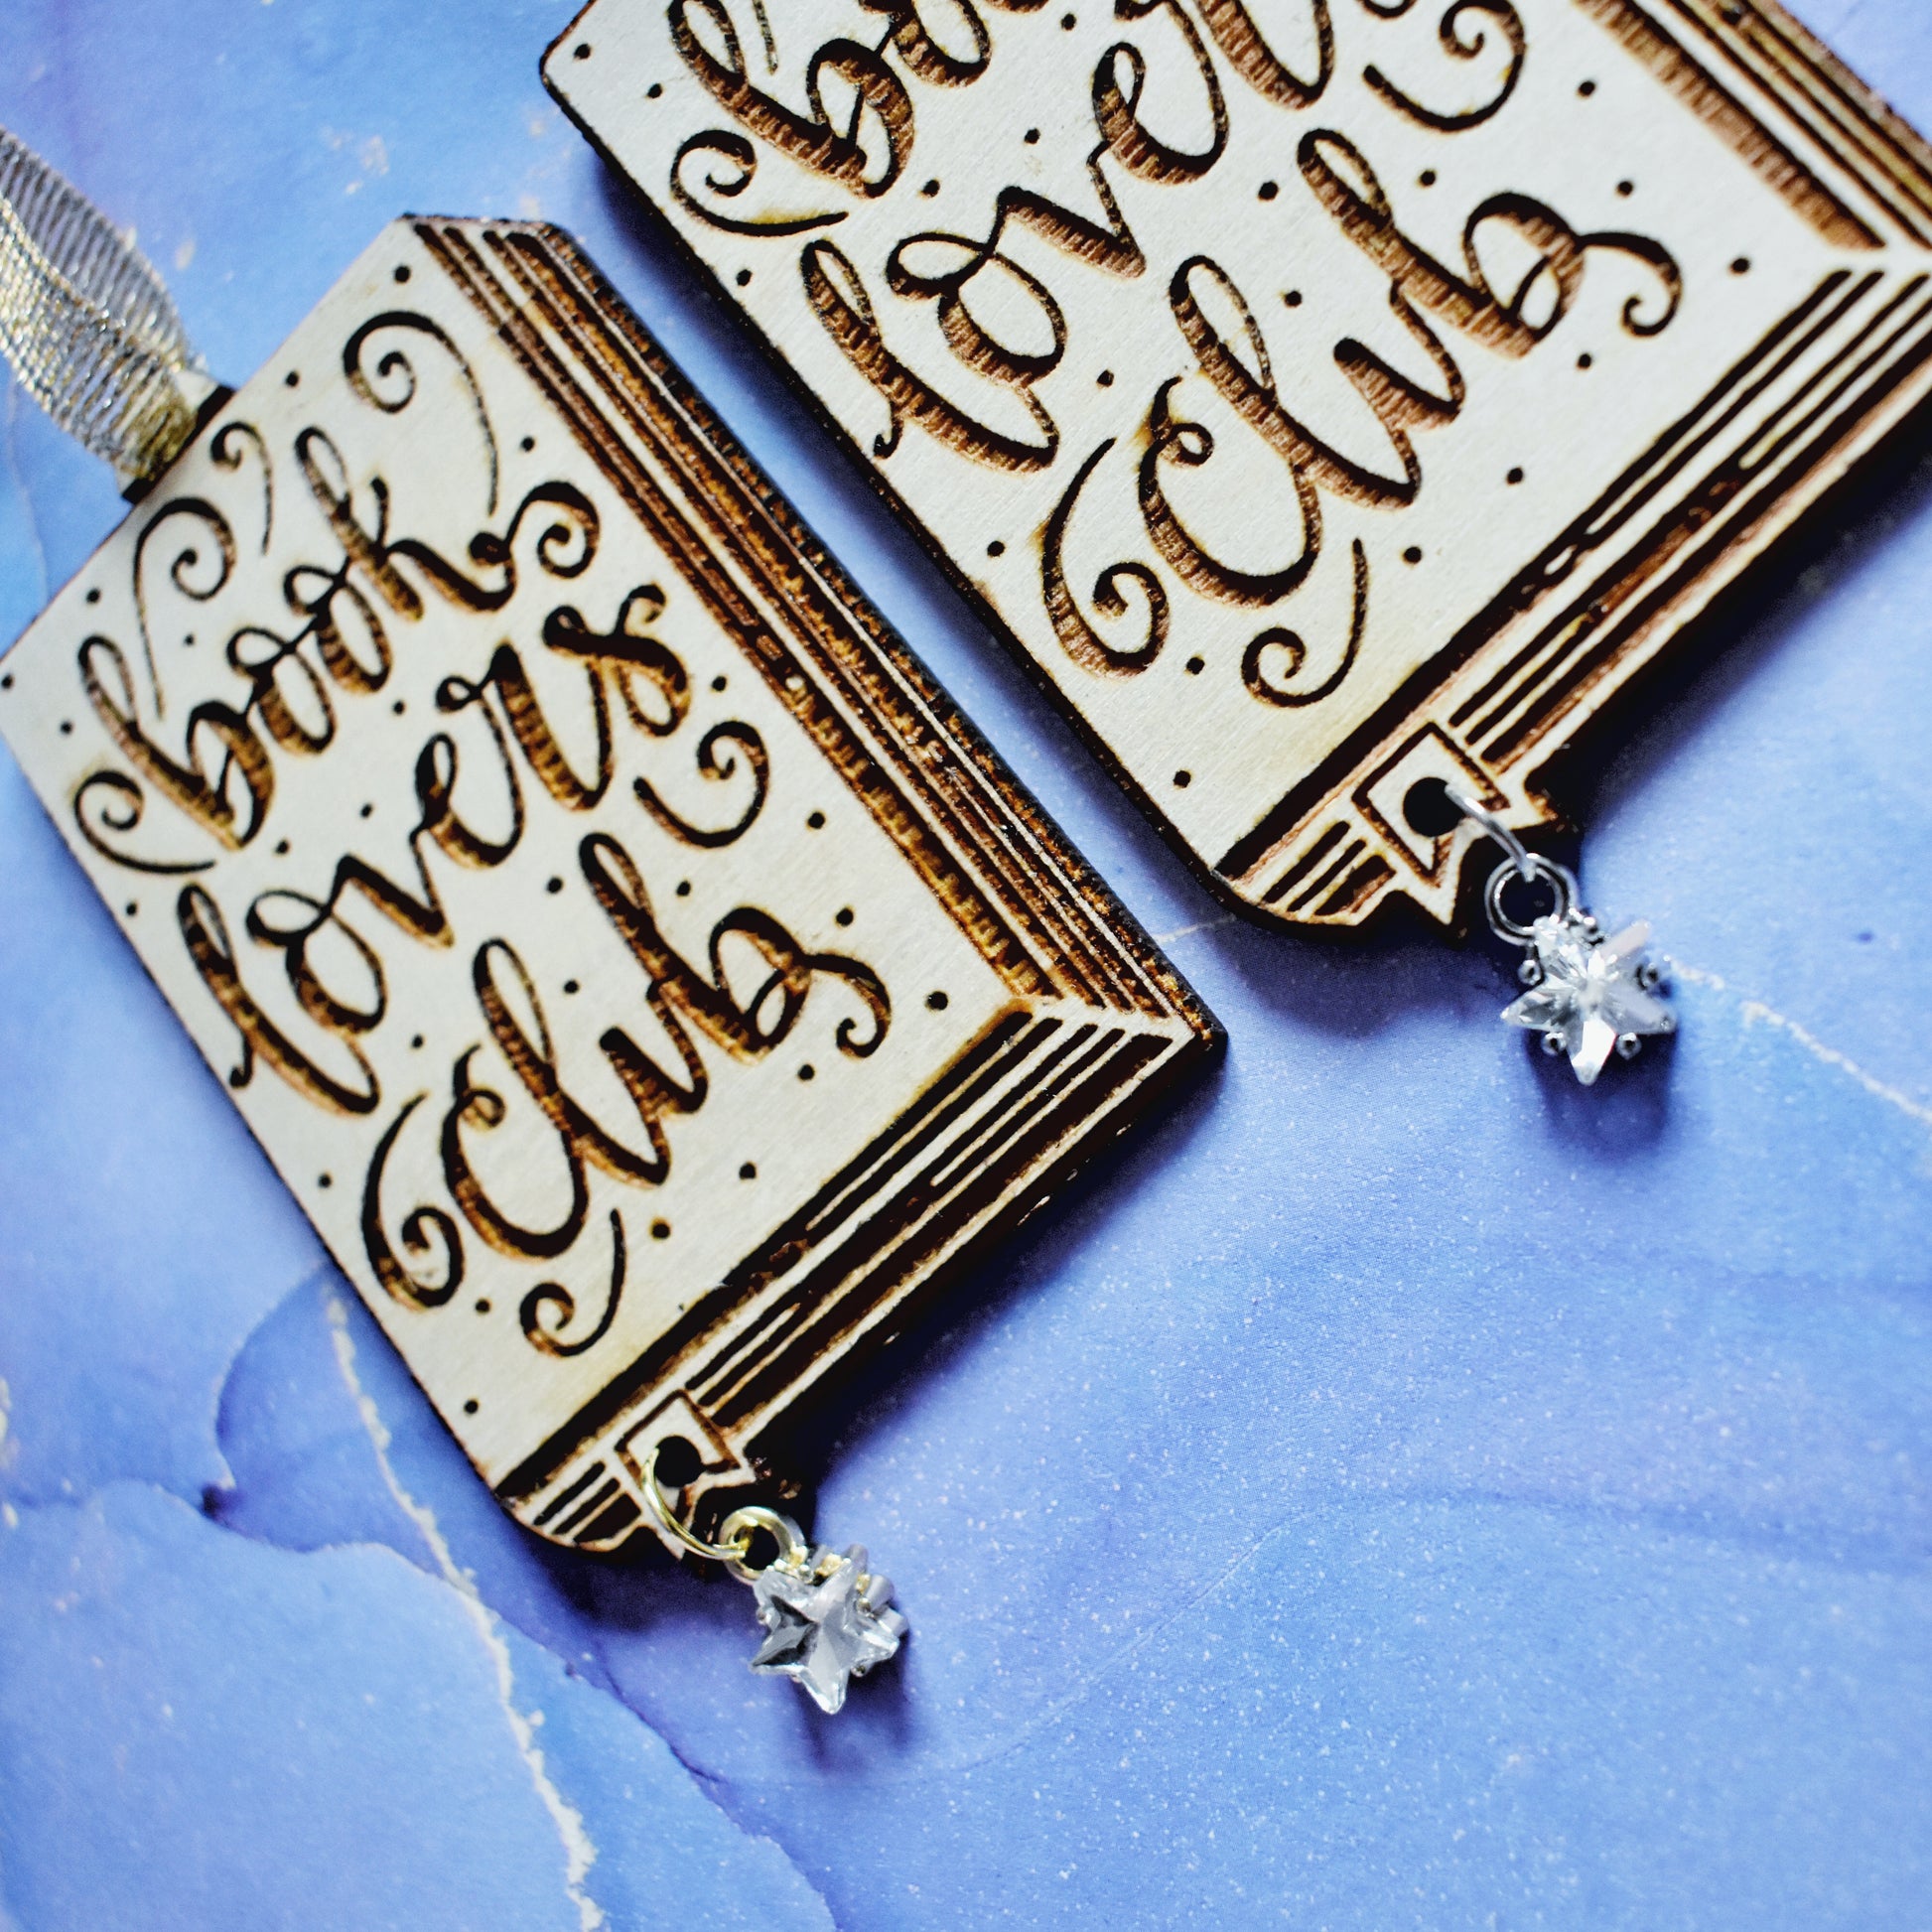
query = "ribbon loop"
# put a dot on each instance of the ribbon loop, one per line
(88, 323)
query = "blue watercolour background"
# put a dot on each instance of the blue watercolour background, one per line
(1399, 1489)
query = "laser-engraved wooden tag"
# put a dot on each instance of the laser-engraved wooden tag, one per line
(1327, 395)
(643, 977)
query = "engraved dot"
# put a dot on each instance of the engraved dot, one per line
(281, 848)
(1587, 88)
(661, 1230)
(1105, 379)
(1269, 190)
(368, 811)
(417, 1042)
(292, 380)
(996, 548)
(1413, 555)
(1195, 666)
(1069, 22)
(528, 444)
(402, 275)
(748, 1171)
(684, 889)
(1184, 779)
(931, 189)
(1032, 137)
(1292, 298)
(570, 986)
(398, 707)
(1586, 361)
(482, 1307)
(1514, 476)
(843, 916)
(743, 277)
(808, 1071)
(324, 1181)
(133, 907)
(7, 682)
(1627, 189)
(1426, 177)
(93, 597)
(656, 91)
(718, 683)
(471, 1407)
(1742, 266)
(554, 885)
(188, 642)
(816, 821)
(67, 728)
(581, 52)
(938, 1001)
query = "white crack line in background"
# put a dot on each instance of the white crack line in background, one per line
(1756, 1012)
(579, 1852)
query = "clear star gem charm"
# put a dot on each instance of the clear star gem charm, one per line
(1588, 996)
(826, 1622)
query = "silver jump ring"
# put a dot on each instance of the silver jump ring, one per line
(735, 1533)
(1559, 878)
(1520, 855)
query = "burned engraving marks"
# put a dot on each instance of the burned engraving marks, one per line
(639, 973)
(1311, 391)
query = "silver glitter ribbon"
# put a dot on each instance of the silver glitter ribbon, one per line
(88, 323)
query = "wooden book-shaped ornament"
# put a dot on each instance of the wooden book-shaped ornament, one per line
(646, 981)
(1336, 400)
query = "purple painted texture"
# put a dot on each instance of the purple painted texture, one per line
(1399, 1489)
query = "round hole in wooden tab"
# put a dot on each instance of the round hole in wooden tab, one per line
(1429, 808)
